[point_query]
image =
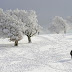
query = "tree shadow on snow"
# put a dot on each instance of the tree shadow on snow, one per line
(65, 60)
(6, 45)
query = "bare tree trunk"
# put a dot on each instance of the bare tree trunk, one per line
(38, 33)
(64, 31)
(57, 32)
(29, 39)
(16, 43)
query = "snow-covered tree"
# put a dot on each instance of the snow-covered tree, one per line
(69, 18)
(32, 25)
(53, 29)
(10, 27)
(29, 19)
(58, 25)
(69, 21)
(39, 28)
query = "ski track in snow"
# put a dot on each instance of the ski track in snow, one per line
(46, 53)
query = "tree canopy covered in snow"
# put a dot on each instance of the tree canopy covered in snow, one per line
(58, 25)
(10, 27)
(69, 21)
(16, 23)
(29, 19)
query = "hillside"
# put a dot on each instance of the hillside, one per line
(46, 53)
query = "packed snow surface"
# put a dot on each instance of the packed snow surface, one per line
(46, 53)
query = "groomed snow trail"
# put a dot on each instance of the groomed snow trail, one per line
(46, 53)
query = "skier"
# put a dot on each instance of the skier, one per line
(71, 53)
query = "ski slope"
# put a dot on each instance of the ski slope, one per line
(46, 53)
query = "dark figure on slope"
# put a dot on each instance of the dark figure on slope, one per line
(71, 53)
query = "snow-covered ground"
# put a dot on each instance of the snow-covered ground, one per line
(46, 53)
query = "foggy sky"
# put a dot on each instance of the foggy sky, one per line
(45, 9)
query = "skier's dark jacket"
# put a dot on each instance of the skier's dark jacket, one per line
(71, 53)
